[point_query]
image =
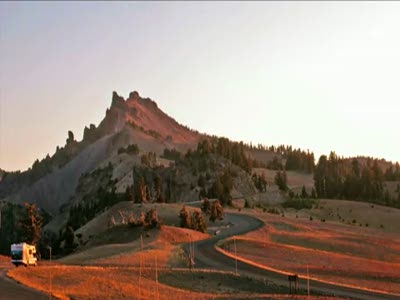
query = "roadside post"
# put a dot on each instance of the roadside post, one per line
(293, 278)
(50, 279)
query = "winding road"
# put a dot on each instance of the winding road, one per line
(11, 290)
(206, 256)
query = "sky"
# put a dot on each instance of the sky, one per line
(316, 75)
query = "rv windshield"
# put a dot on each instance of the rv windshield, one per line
(16, 254)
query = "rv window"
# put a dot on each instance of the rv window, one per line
(16, 254)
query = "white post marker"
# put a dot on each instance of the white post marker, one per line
(234, 242)
(158, 295)
(308, 284)
(51, 279)
(140, 262)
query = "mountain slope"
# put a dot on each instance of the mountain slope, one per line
(135, 120)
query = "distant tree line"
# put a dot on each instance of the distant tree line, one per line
(341, 178)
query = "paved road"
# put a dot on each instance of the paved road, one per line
(10, 290)
(207, 257)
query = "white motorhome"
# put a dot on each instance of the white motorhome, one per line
(23, 254)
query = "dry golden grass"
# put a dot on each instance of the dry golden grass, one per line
(163, 243)
(80, 282)
(363, 213)
(88, 282)
(164, 247)
(349, 255)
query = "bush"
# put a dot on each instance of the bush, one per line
(273, 210)
(299, 203)
(216, 211)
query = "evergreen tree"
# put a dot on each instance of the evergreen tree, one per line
(304, 194)
(206, 206)
(140, 192)
(184, 218)
(217, 211)
(30, 224)
(281, 180)
(69, 238)
(128, 194)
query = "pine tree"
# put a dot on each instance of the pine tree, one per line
(140, 193)
(304, 194)
(217, 211)
(184, 218)
(30, 224)
(69, 238)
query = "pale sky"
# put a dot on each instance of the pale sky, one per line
(317, 75)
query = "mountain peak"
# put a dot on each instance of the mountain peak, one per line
(134, 96)
(144, 113)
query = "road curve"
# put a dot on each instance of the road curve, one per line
(206, 256)
(11, 290)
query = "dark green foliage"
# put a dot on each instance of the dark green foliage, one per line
(197, 222)
(30, 224)
(340, 178)
(171, 154)
(184, 217)
(151, 219)
(69, 238)
(299, 203)
(281, 180)
(216, 211)
(132, 149)
(296, 159)
(193, 221)
(221, 188)
(158, 189)
(275, 164)
(273, 210)
(313, 193)
(140, 190)
(304, 192)
(149, 159)
(392, 173)
(128, 194)
(206, 207)
(259, 182)
(202, 181)
(9, 231)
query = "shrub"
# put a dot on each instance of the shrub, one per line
(299, 203)
(216, 211)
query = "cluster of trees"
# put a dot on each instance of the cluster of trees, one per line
(214, 209)
(281, 180)
(147, 220)
(83, 212)
(259, 182)
(340, 178)
(132, 149)
(296, 159)
(194, 220)
(149, 190)
(22, 223)
(233, 151)
(150, 132)
(221, 188)
(172, 154)
(392, 173)
(149, 159)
